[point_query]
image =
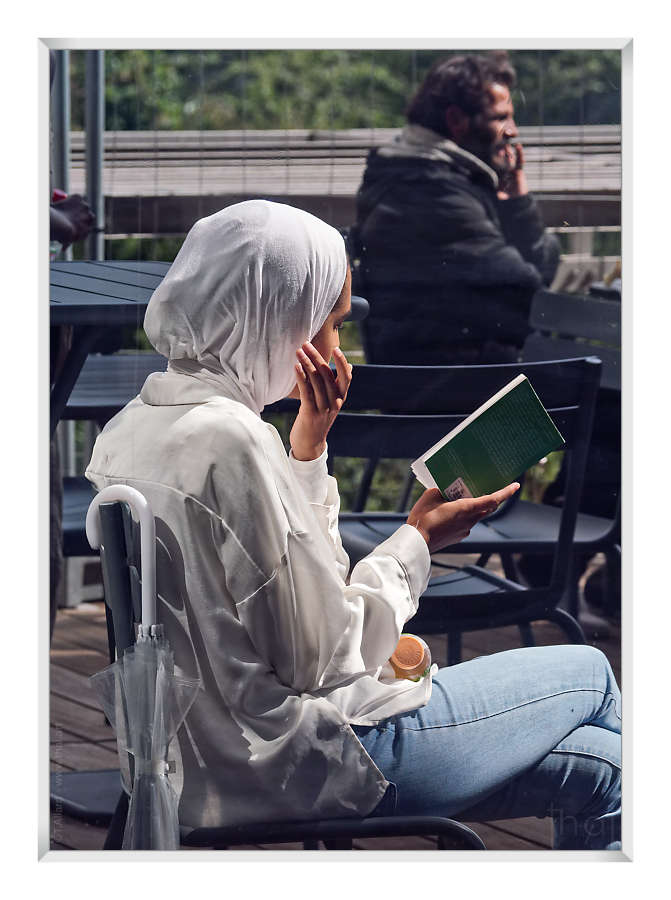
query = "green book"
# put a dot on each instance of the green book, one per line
(494, 446)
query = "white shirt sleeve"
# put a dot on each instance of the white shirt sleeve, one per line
(321, 492)
(312, 475)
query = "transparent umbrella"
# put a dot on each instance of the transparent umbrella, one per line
(145, 697)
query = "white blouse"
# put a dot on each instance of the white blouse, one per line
(253, 593)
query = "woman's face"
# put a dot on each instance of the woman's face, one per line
(328, 336)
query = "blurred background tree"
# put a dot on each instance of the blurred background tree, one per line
(328, 89)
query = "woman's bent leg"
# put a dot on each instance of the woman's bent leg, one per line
(511, 729)
(578, 784)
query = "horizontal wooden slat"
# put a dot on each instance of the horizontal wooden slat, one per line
(80, 659)
(72, 685)
(498, 839)
(80, 720)
(74, 834)
(83, 756)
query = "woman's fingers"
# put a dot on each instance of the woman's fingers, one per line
(328, 385)
(505, 493)
(344, 372)
(304, 387)
(487, 504)
(316, 377)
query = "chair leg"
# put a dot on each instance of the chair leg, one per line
(447, 842)
(571, 599)
(453, 648)
(509, 567)
(114, 837)
(568, 624)
(613, 570)
(343, 843)
(527, 634)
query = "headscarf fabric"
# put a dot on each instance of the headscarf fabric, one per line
(249, 285)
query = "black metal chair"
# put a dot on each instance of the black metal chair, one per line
(418, 405)
(100, 798)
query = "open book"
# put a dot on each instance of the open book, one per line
(494, 446)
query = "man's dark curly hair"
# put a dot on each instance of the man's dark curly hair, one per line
(459, 80)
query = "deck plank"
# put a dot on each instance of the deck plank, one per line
(73, 834)
(84, 756)
(80, 720)
(497, 839)
(78, 659)
(529, 828)
(73, 685)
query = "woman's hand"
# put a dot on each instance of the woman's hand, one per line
(322, 395)
(442, 522)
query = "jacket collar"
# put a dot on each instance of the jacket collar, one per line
(419, 142)
(187, 382)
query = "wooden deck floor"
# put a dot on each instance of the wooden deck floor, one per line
(80, 739)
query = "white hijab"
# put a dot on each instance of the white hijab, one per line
(249, 285)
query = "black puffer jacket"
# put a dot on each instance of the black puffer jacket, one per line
(448, 268)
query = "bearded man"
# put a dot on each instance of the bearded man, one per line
(449, 245)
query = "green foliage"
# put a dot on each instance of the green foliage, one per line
(540, 477)
(327, 89)
(159, 248)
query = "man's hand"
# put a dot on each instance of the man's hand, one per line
(322, 395)
(442, 522)
(514, 182)
(71, 220)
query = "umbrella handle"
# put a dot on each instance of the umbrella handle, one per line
(140, 506)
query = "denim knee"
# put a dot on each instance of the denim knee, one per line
(595, 823)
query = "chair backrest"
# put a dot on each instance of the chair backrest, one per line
(120, 563)
(570, 325)
(415, 406)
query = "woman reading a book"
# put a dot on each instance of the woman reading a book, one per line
(300, 715)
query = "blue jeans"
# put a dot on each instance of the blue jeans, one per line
(528, 732)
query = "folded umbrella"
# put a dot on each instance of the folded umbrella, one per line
(146, 698)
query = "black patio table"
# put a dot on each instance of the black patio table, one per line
(94, 296)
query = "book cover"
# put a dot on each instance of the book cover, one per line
(491, 448)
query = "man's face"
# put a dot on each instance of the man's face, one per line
(491, 130)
